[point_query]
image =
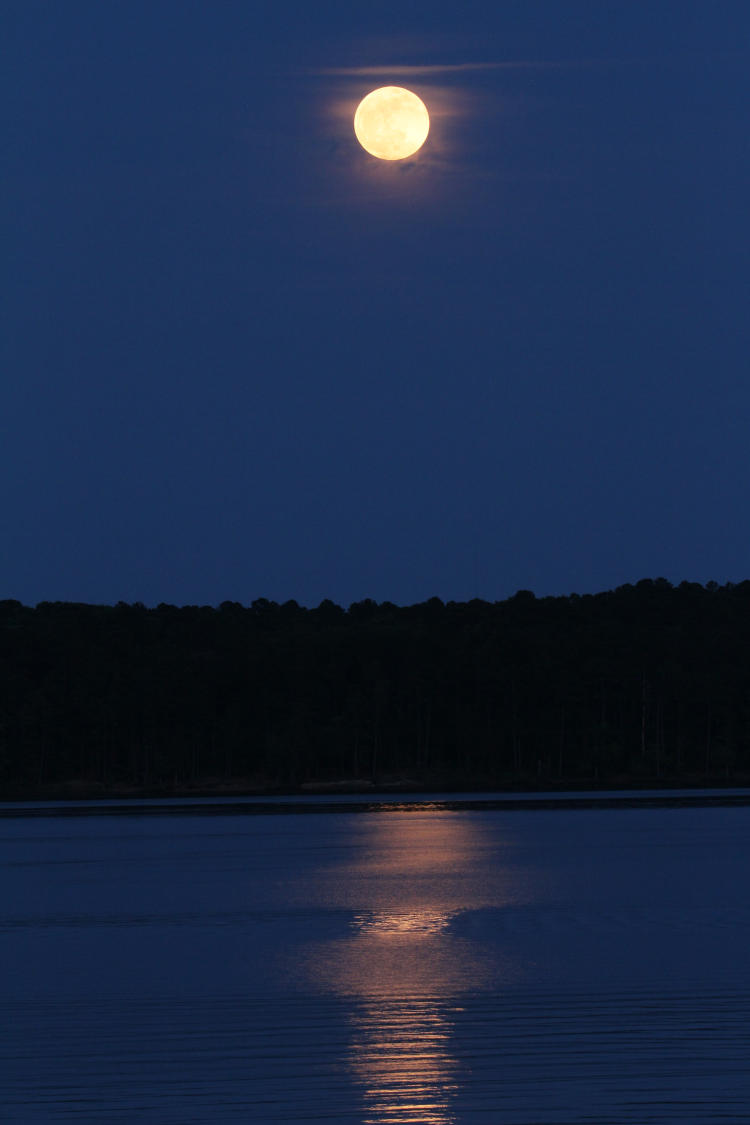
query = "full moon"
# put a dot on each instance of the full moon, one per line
(391, 123)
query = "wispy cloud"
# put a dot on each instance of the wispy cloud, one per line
(407, 69)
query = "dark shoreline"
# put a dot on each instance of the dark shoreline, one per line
(253, 805)
(385, 787)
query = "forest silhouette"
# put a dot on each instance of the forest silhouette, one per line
(645, 684)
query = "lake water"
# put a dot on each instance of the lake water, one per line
(431, 966)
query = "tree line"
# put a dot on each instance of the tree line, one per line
(646, 683)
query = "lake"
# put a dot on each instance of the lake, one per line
(436, 964)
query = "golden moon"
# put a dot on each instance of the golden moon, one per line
(391, 123)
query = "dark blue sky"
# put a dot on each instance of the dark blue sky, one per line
(242, 359)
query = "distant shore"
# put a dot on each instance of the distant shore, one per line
(438, 782)
(385, 803)
(644, 686)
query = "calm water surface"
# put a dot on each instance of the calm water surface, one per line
(434, 966)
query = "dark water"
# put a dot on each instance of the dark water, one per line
(435, 966)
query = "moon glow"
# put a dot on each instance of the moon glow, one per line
(391, 123)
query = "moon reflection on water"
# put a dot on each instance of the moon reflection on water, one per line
(402, 965)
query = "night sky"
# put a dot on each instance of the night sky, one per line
(241, 358)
